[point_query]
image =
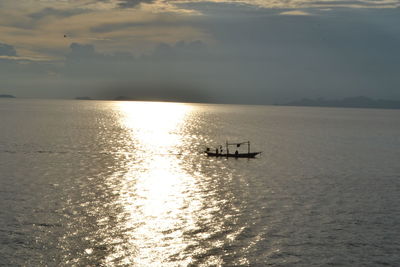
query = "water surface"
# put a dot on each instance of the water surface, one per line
(125, 183)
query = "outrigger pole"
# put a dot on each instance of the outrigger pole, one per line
(238, 144)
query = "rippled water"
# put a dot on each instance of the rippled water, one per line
(125, 183)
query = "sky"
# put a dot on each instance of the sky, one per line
(220, 51)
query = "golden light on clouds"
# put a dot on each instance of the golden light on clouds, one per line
(36, 28)
(295, 13)
(130, 30)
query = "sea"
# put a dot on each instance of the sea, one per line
(120, 183)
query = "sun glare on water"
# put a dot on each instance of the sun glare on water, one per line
(154, 125)
(156, 194)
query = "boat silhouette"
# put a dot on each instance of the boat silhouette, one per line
(219, 152)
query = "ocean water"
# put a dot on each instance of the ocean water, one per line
(103, 183)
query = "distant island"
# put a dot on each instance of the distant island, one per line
(7, 96)
(349, 102)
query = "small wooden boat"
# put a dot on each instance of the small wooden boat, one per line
(219, 152)
(230, 155)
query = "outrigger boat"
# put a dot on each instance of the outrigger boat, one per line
(219, 152)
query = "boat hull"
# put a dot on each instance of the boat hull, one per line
(240, 155)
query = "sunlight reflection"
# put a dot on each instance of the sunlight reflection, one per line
(154, 125)
(156, 193)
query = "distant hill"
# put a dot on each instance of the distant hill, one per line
(7, 96)
(349, 102)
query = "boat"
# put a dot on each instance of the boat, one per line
(219, 152)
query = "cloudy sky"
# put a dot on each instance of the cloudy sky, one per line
(227, 51)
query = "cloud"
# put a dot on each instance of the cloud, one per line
(287, 4)
(133, 3)
(85, 54)
(82, 51)
(109, 30)
(7, 50)
(49, 11)
(109, 27)
(165, 74)
(355, 3)
(181, 51)
(295, 13)
(126, 3)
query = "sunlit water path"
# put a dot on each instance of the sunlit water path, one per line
(126, 183)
